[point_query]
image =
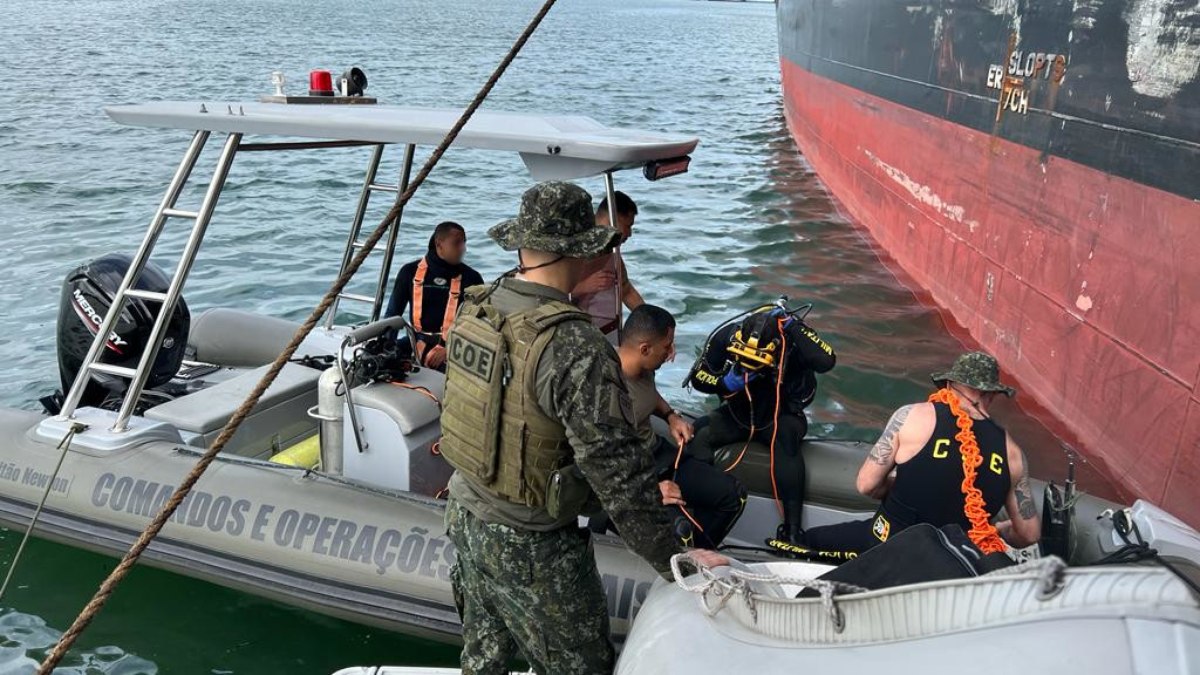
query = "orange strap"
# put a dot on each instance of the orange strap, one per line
(695, 523)
(750, 438)
(775, 430)
(983, 534)
(418, 296)
(452, 303)
(427, 394)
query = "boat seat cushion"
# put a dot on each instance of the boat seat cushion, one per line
(232, 337)
(411, 409)
(207, 410)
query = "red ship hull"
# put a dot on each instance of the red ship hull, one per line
(1082, 283)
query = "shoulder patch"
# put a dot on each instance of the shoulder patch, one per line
(620, 403)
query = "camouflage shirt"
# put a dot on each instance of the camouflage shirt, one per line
(579, 383)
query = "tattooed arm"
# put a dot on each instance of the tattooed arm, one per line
(1024, 526)
(874, 478)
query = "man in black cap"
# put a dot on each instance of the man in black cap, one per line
(919, 467)
(764, 368)
(537, 422)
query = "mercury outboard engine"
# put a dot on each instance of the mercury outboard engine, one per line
(87, 293)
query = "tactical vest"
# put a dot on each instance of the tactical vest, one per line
(492, 428)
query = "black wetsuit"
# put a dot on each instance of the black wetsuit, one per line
(435, 293)
(928, 488)
(715, 499)
(752, 407)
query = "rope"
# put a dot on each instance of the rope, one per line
(674, 479)
(737, 582)
(1124, 525)
(109, 585)
(716, 591)
(983, 534)
(750, 438)
(424, 391)
(775, 420)
(64, 445)
(1052, 573)
(1068, 504)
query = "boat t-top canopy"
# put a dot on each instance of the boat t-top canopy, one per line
(553, 147)
(559, 147)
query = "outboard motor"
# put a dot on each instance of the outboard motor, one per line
(87, 293)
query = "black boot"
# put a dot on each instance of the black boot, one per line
(789, 542)
(792, 534)
(789, 538)
(683, 530)
(790, 530)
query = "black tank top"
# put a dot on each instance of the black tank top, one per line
(928, 487)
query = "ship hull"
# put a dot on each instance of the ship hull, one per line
(1050, 204)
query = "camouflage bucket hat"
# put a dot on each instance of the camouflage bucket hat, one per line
(976, 370)
(556, 217)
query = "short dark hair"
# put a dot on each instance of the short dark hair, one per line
(625, 205)
(647, 322)
(442, 231)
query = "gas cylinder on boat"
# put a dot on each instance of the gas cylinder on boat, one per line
(329, 414)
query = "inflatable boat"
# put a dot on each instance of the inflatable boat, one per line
(328, 496)
(1037, 617)
(1040, 617)
(942, 612)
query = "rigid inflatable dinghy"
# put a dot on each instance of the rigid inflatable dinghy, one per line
(1035, 617)
(1038, 617)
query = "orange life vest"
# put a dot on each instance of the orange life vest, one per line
(418, 293)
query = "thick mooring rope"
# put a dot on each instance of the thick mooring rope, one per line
(135, 551)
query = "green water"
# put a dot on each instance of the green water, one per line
(748, 223)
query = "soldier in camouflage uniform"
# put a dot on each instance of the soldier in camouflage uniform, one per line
(538, 425)
(916, 467)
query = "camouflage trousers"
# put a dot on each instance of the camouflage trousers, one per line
(536, 592)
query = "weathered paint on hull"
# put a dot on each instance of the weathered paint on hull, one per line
(1081, 281)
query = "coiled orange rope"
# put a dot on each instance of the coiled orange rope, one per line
(983, 534)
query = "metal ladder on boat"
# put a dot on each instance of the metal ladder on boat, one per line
(168, 300)
(353, 243)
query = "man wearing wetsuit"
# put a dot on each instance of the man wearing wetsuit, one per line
(765, 370)
(917, 469)
(706, 496)
(433, 286)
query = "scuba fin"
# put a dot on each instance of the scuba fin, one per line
(788, 549)
(683, 530)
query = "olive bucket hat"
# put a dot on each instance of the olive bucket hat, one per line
(976, 370)
(556, 217)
